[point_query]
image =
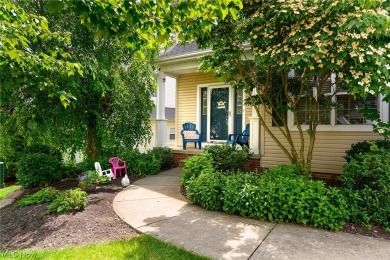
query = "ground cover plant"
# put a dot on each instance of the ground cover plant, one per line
(71, 200)
(68, 201)
(281, 194)
(47, 194)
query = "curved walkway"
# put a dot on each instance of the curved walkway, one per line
(154, 205)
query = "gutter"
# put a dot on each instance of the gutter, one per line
(193, 56)
(183, 57)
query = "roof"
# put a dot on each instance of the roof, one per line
(169, 113)
(179, 49)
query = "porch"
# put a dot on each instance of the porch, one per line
(180, 155)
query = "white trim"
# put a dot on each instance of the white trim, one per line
(384, 109)
(243, 124)
(337, 128)
(210, 86)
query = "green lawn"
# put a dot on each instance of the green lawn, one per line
(141, 247)
(4, 191)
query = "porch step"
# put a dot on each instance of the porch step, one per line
(181, 163)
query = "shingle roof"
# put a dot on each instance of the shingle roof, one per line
(179, 49)
(169, 113)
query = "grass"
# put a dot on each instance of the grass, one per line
(140, 247)
(5, 191)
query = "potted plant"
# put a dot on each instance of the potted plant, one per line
(89, 181)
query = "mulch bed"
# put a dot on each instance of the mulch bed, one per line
(374, 231)
(30, 228)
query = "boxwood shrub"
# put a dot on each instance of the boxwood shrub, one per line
(228, 158)
(38, 169)
(164, 155)
(68, 201)
(366, 182)
(366, 146)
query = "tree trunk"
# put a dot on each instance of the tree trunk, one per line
(92, 139)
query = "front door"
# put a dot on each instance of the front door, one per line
(219, 113)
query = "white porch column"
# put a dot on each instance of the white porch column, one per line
(254, 137)
(161, 122)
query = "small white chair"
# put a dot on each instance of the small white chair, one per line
(99, 170)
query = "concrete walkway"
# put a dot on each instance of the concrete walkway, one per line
(154, 206)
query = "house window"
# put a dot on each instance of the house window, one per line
(346, 110)
(349, 109)
(204, 102)
(323, 112)
(277, 121)
(303, 112)
(239, 102)
(171, 133)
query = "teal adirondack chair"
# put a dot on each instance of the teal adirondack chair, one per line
(190, 134)
(241, 139)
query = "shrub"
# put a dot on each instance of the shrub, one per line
(206, 190)
(366, 181)
(281, 195)
(164, 155)
(148, 165)
(287, 199)
(283, 171)
(369, 170)
(132, 157)
(228, 158)
(366, 146)
(68, 201)
(37, 169)
(71, 170)
(196, 165)
(89, 164)
(43, 149)
(44, 195)
(103, 180)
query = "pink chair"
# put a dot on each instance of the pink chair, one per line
(115, 161)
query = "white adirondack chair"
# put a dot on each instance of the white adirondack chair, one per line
(99, 170)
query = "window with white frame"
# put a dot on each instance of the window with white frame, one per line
(323, 112)
(171, 133)
(345, 109)
(349, 109)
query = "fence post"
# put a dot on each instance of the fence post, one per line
(2, 184)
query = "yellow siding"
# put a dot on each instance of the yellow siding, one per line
(186, 96)
(329, 149)
(248, 114)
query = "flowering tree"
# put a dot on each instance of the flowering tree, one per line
(287, 54)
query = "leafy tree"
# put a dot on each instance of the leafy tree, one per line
(45, 56)
(110, 102)
(257, 51)
(34, 68)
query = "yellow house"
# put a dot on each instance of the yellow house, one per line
(218, 110)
